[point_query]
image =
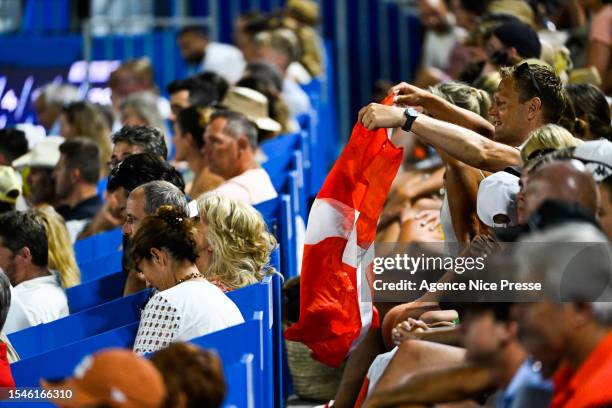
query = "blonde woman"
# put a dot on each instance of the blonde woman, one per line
(61, 253)
(546, 139)
(234, 244)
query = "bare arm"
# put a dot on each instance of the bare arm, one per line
(458, 142)
(447, 384)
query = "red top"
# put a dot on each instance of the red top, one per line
(6, 378)
(590, 385)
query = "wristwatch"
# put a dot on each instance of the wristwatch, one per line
(411, 115)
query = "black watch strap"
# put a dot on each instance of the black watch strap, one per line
(411, 115)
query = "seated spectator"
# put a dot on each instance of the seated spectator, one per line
(144, 200)
(512, 42)
(246, 27)
(61, 252)
(7, 353)
(201, 54)
(82, 119)
(230, 143)
(193, 376)
(591, 107)
(37, 295)
(187, 305)
(280, 48)
(13, 144)
(217, 81)
(254, 105)
(188, 139)
(49, 102)
(302, 16)
(233, 242)
(192, 92)
(39, 164)
(112, 378)
(137, 139)
(134, 171)
(10, 189)
(76, 183)
(569, 330)
(140, 109)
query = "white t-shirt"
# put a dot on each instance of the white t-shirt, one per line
(225, 60)
(36, 301)
(184, 312)
(252, 187)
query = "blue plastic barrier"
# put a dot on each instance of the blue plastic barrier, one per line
(98, 246)
(96, 292)
(45, 337)
(100, 267)
(281, 222)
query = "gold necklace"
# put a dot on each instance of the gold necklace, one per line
(192, 275)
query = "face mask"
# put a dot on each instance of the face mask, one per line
(500, 58)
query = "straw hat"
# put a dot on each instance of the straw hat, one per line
(253, 105)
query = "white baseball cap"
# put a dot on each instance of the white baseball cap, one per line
(597, 158)
(497, 195)
(44, 154)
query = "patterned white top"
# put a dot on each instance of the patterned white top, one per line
(184, 312)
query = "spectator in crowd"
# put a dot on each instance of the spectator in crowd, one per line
(37, 295)
(230, 142)
(7, 352)
(137, 139)
(205, 55)
(50, 101)
(512, 42)
(591, 107)
(219, 83)
(134, 76)
(38, 165)
(600, 41)
(254, 105)
(569, 330)
(140, 109)
(10, 189)
(193, 376)
(191, 92)
(281, 49)
(233, 242)
(13, 144)
(134, 171)
(143, 201)
(76, 183)
(61, 252)
(302, 16)
(189, 131)
(246, 27)
(82, 119)
(187, 305)
(113, 378)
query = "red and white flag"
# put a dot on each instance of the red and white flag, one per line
(336, 309)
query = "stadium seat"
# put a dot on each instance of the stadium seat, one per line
(95, 292)
(98, 246)
(100, 267)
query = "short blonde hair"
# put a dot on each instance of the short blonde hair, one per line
(546, 139)
(240, 240)
(61, 252)
(464, 96)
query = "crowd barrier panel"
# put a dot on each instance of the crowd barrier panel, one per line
(96, 292)
(98, 246)
(101, 267)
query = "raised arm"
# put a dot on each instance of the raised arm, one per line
(410, 95)
(446, 384)
(458, 142)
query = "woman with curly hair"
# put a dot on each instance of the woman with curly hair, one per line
(234, 244)
(187, 305)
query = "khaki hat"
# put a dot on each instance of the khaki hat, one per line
(114, 377)
(10, 185)
(44, 154)
(253, 105)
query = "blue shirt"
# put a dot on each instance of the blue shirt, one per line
(528, 375)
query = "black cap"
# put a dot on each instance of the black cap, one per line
(520, 36)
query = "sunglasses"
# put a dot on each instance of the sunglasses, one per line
(525, 67)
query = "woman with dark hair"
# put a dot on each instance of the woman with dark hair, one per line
(592, 108)
(189, 130)
(187, 306)
(193, 376)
